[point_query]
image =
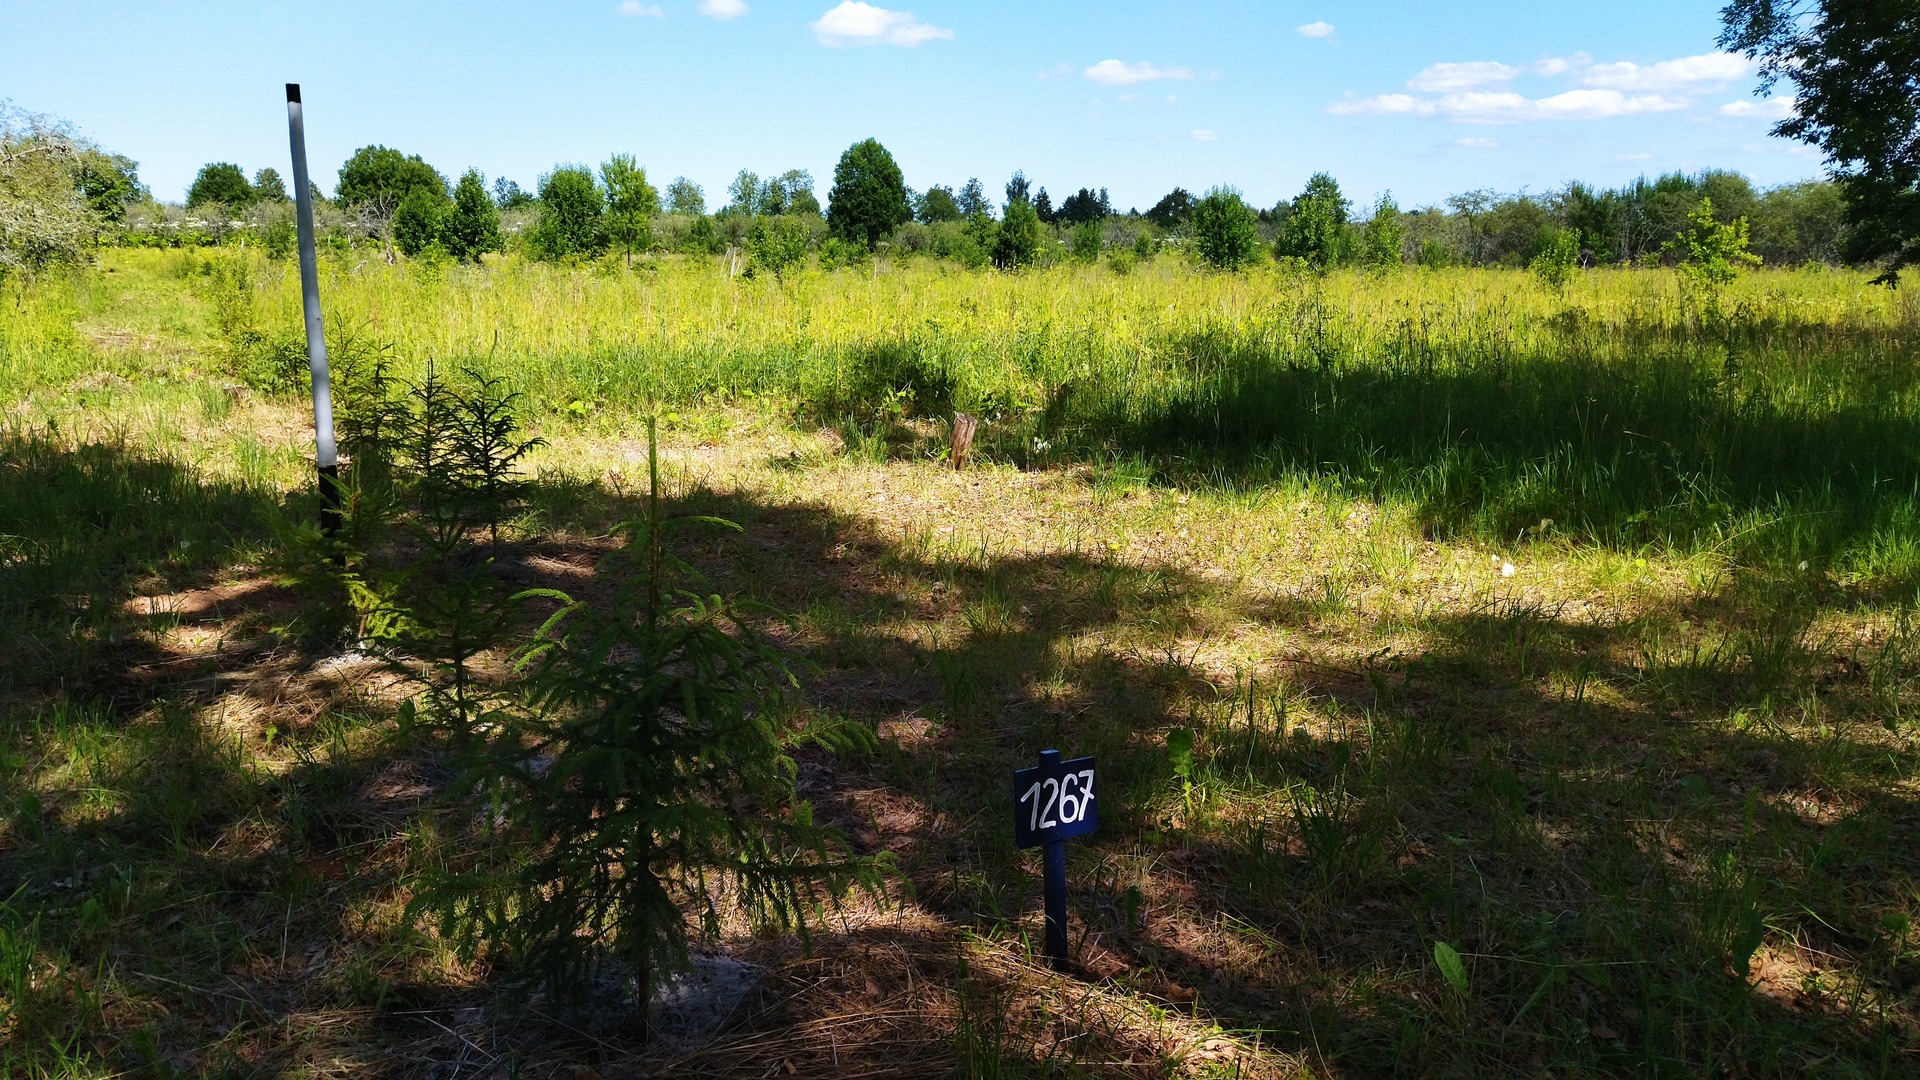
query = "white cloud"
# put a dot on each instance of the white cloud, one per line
(1632, 157)
(722, 9)
(1115, 73)
(635, 7)
(1506, 107)
(1602, 104)
(1441, 78)
(856, 23)
(1478, 144)
(1203, 135)
(1773, 108)
(1315, 29)
(1058, 71)
(1383, 105)
(1551, 66)
(1688, 74)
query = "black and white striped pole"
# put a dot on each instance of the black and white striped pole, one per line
(326, 454)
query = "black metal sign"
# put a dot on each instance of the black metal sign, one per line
(1054, 801)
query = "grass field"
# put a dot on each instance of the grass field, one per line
(1575, 632)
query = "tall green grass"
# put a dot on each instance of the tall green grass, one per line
(1610, 414)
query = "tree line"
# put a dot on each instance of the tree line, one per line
(583, 211)
(771, 223)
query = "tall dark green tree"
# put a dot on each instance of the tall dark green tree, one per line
(220, 182)
(383, 176)
(1175, 208)
(420, 220)
(1018, 241)
(869, 196)
(473, 227)
(571, 210)
(1226, 232)
(1083, 206)
(1855, 66)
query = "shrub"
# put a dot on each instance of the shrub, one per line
(1711, 255)
(1385, 235)
(1316, 231)
(571, 209)
(473, 225)
(1084, 241)
(701, 238)
(836, 253)
(777, 244)
(420, 220)
(1225, 231)
(1017, 242)
(1558, 259)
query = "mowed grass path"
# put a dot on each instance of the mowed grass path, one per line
(1651, 778)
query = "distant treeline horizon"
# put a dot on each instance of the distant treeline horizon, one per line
(1790, 224)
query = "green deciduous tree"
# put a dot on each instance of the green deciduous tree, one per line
(685, 197)
(571, 207)
(1558, 259)
(790, 193)
(473, 224)
(420, 220)
(631, 204)
(221, 182)
(937, 205)
(109, 182)
(745, 194)
(1712, 255)
(869, 196)
(1316, 232)
(384, 177)
(1856, 68)
(1226, 233)
(776, 244)
(1384, 237)
(45, 221)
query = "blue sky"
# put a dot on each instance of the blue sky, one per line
(1423, 99)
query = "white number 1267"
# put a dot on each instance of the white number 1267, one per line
(1060, 796)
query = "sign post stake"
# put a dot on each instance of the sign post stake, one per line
(326, 456)
(1056, 873)
(1054, 803)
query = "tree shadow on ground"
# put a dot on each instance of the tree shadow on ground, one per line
(1571, 810)
(1681, 445)
(81, 531)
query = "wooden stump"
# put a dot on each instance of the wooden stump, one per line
(961, 445)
